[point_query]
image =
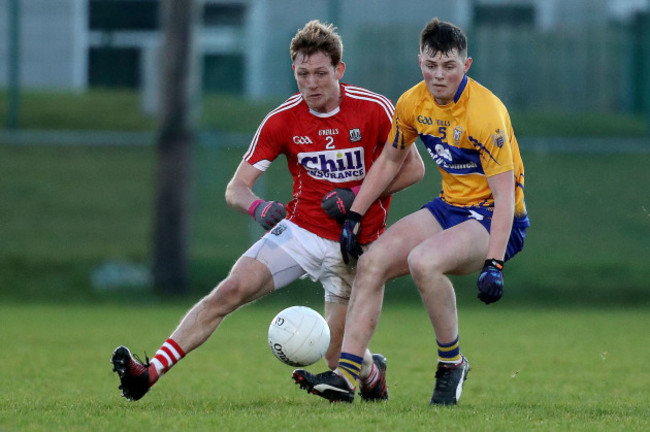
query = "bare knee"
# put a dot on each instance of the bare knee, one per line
(371, 270)
(423, 267)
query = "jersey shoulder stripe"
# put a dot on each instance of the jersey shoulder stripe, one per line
(363, 94)
(364, 91)
(290, 103)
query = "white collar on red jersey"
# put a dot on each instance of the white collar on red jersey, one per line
(327, 114)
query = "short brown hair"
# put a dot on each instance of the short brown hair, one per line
(440, 36)
(317, 37)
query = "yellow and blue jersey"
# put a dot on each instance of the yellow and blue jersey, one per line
(470, 139)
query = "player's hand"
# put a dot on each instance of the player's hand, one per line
(350, 246)
(337, 202)
(490, 281)
(267, 213)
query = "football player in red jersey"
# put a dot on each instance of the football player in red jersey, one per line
(330, 133)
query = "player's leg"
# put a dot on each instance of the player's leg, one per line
(457, 250)
(263, 268)
(337, 282)
(385, 259)
(249, 279)
(337, 279)
(335, 317)
(372, 376)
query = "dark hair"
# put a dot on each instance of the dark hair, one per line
(442, 37)
(317, 37)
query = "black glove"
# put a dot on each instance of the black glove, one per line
(337, 203)
(490, 281)
(350, 246)
(267, 213)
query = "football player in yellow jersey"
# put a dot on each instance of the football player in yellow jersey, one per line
(477, 222)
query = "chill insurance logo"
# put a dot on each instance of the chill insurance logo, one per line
(337, 166)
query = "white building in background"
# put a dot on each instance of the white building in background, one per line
(53, 43)
(66, 45)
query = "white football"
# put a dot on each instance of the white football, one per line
(299, 336)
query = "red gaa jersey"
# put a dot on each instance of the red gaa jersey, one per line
(326, 151)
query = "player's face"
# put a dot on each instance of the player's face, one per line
(443, 73)
(318, 81)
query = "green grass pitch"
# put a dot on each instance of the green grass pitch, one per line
(532, 369)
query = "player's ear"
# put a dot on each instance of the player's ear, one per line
(340, 70)
(468, 63)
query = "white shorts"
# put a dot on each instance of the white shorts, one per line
(291, 252)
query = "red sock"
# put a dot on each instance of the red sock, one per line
(167, 356)
(372, 378)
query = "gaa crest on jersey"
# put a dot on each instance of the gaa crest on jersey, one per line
(498, 138)
(355, 135)
(337, 166)
(458, 132)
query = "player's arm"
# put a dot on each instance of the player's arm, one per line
(378, 178)
(240, 196)
(381, 175)
(239, 191)
(490, 280)
(503, 190)
(337, 202)
(411, 172)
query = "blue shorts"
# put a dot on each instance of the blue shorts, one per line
(448, 216)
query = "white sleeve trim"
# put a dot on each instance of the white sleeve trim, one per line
(262, 165)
